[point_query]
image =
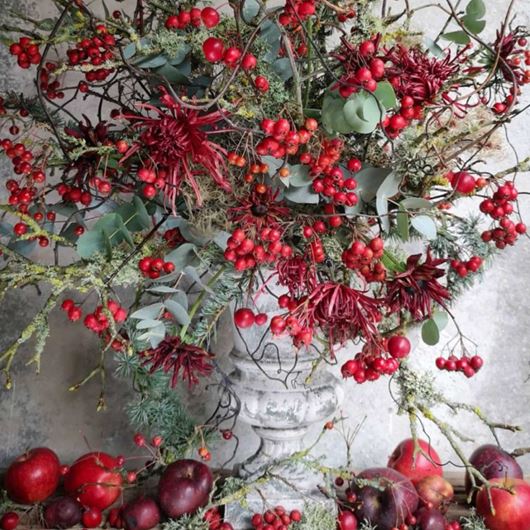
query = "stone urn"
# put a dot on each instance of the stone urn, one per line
(283, 391)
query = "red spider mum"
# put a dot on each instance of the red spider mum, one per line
(259, 210)
(507, 47)
(176, 141)
(413, 73)
(341, 312)
(417, 288)
(173, 355)
(297, 275)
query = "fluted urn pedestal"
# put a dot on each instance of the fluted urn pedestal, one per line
(281, 396)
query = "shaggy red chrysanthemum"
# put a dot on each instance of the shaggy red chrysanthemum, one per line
(173, 355)
(259, 210)
(297, 275)
(176, 142)
(341, 312)
(417, 288)
(413, 73)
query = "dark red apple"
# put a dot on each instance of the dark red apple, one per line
(512, 508)
(33, 476)
(389, 502)
(184, 487)
(94, 480)
(63, 512)
(346, 521)
(434, 490)
(493, 462)
(430, 519)
(141, 514)
(415, 466)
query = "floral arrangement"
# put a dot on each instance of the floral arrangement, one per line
(198, 156)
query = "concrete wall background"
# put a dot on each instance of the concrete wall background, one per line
(40, 411)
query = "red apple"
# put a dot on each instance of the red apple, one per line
(94, 480)
(33, 476)
(141, 514)
(512, 509)
(493, 462)
(434, 491)
(346, 521)
(184, 487)
(415, 466)
(63, 512)
(390, 503)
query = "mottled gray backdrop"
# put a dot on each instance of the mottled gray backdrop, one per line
(40, 411)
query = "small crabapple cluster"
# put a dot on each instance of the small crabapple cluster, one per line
(301, 335)
(295, 11)
(26, 52)
(464, 183)
(282, 138)
(74, 194)
(463, 268)
(276, 519)
(499, 207)
(469, 366)
(408, 111)
(365, 258)
(194, 17)
(73, 311)
(373, 362)
(94, 51)
(153, 180)
(215, 51)
(246, 252)
(335, 187)
(152, 267)
(22, 160)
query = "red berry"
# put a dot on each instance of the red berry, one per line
(74, 313)
(213, 49)
(261, 319)
(244, 317)
(463, 182)
(20, 229)
(398, 346)
(249, 62)
(210, 17)
(139, 439)
(261, 83)
(367, 48)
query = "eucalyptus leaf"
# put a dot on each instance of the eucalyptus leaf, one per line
(441, 318)
(283, 68)
(129, 51)
(425, 225)
(368, 181)
(182, 256)
(433, 47)
(180, 314)
(181, 298)
(152, 61)
(180, 54)
(147, 323)
(302, 195)
(250, 10)
(162, 289)
(299, 175)
(388, 188)
(362, 112)
(386, 95)
(416, 203)
(403, 223)
(430, 333)
(476, 9)
(458, 37)
(473, 25)
(90, 242)
(148, 311)
(154, 336)
(172, 74)
(333, 117)
(270, 33)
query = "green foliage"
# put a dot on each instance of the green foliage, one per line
(472, 522)
(186, 522)
(430, 331)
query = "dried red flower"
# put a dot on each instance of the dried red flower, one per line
(174, 355)
(176, 141)
(417, 288)
(297, 275)
(341, 312)
(413, 73)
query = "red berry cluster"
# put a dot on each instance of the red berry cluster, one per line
(245, 253)
(499, 207)
(295, 11)
(408, 111)
(468, 365)
(370, 364)
(245, 317)
(152, 179)
(463, 182)
(48, 84)
(463, 268)
(74, 194)
(152, 267)
(365, 258)
(94, 51)
(335, 187)
(302, 336)
(215, 51)
(98, 321)
(282, 139)
(173, 237)
(215, 521)
(277, 519)
(73, 311)
(26, 52)
(194, 17)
